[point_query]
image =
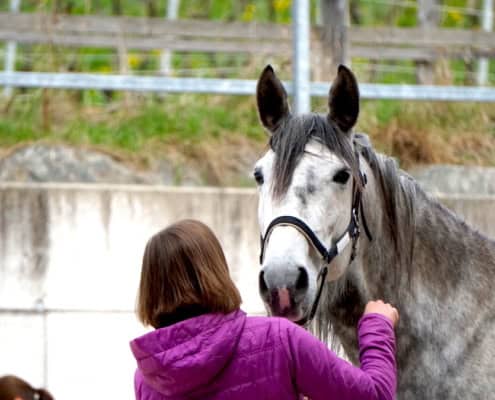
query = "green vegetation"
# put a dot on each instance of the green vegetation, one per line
(139, 126)
(133, 127)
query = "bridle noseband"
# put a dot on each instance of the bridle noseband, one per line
(350, 235)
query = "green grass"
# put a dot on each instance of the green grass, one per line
(414, 132)
(131, 127)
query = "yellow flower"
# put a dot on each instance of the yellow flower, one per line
(104, 69)
(248, 13)
(281, 5)
(134, 60)
(456, 16)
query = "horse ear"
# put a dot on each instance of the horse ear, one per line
(271, 98)
(343, 99)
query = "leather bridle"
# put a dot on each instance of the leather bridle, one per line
(350, 235)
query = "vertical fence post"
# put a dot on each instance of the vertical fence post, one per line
(166, 56)
(300, 57)
(487, 26)
(11, 50)
(335, 22)
(428, 14)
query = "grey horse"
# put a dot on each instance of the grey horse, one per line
(387, 239)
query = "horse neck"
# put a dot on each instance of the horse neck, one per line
(422, 258)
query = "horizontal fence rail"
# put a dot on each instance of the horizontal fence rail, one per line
(43, 310)
(137, 33)
(233, 86)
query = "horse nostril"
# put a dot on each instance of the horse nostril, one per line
(262, 284)
(302, 282)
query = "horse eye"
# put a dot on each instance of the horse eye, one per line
(342, 176)
(258, 176)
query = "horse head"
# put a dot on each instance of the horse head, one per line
(308, 182)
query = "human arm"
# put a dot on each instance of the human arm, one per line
(320, 374)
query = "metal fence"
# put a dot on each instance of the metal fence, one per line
(234, 87)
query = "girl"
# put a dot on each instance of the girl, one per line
(205, 347)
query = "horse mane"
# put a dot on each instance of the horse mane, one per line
(397, 191)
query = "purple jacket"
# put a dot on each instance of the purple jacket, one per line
(216, 356)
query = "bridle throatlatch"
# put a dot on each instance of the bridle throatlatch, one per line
(350, 235)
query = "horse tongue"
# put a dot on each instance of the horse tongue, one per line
(284, 299)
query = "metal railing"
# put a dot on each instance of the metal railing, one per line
(233, 86)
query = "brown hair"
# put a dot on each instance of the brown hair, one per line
(12, 387)
(184, 267)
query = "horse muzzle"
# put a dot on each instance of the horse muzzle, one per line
(284, 293)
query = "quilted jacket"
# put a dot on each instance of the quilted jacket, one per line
(216, 356)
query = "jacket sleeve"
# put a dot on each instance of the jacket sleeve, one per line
(319, 373)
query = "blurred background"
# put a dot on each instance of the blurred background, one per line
(118, 117)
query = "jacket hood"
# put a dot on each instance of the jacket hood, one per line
(184, 357)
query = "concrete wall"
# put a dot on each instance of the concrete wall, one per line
(477, 211)
(76, 252)
(69, 267)
(456, 179)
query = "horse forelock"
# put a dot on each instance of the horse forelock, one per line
(289, 141)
